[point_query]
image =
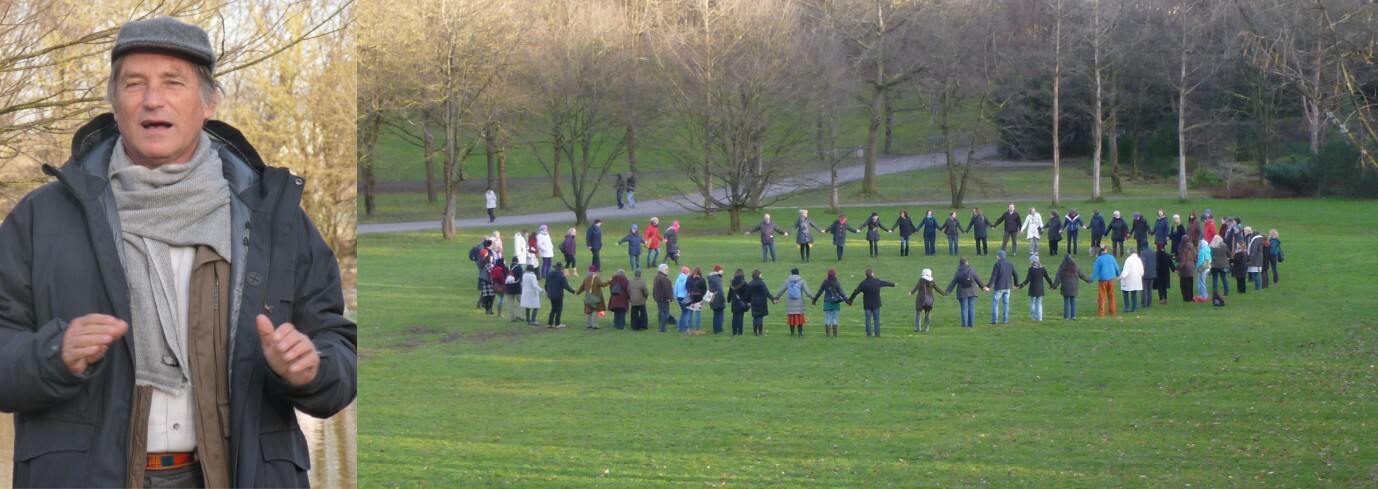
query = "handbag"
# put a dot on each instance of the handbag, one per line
(708, 297)
(592, 300)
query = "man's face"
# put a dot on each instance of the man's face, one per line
(158, 108)
(1011, 207)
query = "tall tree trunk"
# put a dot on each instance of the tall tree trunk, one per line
(1182, 123)
(735, 215)
(428, 146)
(868, 180)
(502, 176)
(631, 150)
(558, 132)
(1057, 114)
(1098, 121)
(889, 123)
(368, 140)
(1113, 123)
(1312, 108)
(447, 220)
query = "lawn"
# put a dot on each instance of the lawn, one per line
(1274, 390)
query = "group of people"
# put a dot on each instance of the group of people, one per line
(1193, 250)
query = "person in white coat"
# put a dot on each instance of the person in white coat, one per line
(1033, 224)
(1132, 281)
(545, 249)
(491, 202)
(519, 251)
(531, 295)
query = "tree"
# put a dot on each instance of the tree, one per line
(965, 45)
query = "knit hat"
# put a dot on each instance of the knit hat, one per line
(593, 269)
(167, 34)
(717, 268)
(832, 273)
(927, 275)
(543, 228)
(1000, 254)
(1033, 258)
(633, 228)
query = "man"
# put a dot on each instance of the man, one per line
(116, 355)
(869, 288)
(631, 190)
(637, 292)
(491, 202)
(556, 284)
(621, 187)
(767, 230)
(1002, 279)
(1119, 230)
(663, 292)
(593, 238)
(1012, 221)
(1104, 274)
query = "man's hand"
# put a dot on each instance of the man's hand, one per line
(88, 338)
(289, 353)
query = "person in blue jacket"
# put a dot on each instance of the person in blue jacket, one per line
(930, 234)
(1072, 225)
(1098, 229)
(593, 238)
(634, 241)
(1161, 228)
(1106, 271)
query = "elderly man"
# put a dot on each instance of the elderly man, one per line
(768, 230)
(166, 305)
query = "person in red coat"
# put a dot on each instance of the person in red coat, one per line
(653, 239)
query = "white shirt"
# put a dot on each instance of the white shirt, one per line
(171, 418)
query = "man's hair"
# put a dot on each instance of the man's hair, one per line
(211, 89)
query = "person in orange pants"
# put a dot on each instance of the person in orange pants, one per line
(1104, 274)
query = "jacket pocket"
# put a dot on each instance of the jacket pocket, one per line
(46, 451)
(285, 446)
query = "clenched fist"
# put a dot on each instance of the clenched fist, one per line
(290, 353)
(88, 338)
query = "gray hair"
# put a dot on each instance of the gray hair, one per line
(211, 89)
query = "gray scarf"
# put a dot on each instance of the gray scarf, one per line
(172, 205)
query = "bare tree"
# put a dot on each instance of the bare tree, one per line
(965, 45)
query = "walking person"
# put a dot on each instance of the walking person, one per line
(637, 294)
(968, 285)
(619, 298)
(634, 241)
(803, 234)
(1186, 270)
(1150, 264)
(768, 230)
(653, 239)
(1072, 226)
(593, 239)
(869, 288)
(594, 303)
(546, 249)
(873, 229)
(952, 227)
(906, 227)
(929, 225)
(531, 294)
(1054, 227)
(620, 187)
(1119, 230)
(741, 300)
(758, 297)
(923, 303)
(490, 202)
(631, 190)
(662, 291)
(839, 229)
(833, 297)
(672, 243)
(1033, 224)
(1002, 279)
(697, 288)
(1132, 281)
(568, 247)
(1012, 220)
(716, 298)
(1275, 255)
(1066, 282)
(1105, 272)
(556, 284)
(1165, 267)
(794, 290)
(978, 227)
(1257, 256)
(1034, 280)
(1098, 230)
(1220, 266)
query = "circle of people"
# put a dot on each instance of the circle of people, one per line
(1191, 250)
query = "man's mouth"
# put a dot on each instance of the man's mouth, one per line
(156, 125)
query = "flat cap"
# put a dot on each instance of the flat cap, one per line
(166, 34)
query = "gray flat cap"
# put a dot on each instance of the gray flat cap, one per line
(165, 34)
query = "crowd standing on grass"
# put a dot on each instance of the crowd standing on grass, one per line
(1197, 251)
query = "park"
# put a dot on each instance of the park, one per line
(724, 111)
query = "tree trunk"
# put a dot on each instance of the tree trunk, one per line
(868, 181)
(735, 213)
(447, 219)
(1116, 186)
(889, 123)
(502, 176)
(1182, 130)
(1057, 86)
(555, 167)
(368, 139)
(1098, 121)
(631, 150)
(428, 146)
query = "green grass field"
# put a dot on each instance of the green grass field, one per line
(1274, 390)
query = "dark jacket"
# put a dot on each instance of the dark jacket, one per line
(1035, 279)
(959, 279)
(1163, 261)
(1012, 221)
(977, 226)
(758, 295)
(1097, 226)
(556, 285)
(767, 230)
(830, 283)
(1150, 260)
(738, 295)
(870, 292)
(839, 232)
(61, 262)
(929, 226)
(569, 247)
(715, 286)
(1239, 263)
(514, 288)
(1072, 225)
(1002, 275)
(1070, 287)
(905, 226)
(952, 226)
(1160, 230)
(1054, 228)
(662, 290)
(593, 238)
(803, 230)
(1257, 253)
(1140, 229)
(697, 287)
(671, 242)
(873, 229)
(1118, 229)
(1186, 257)
(617, 300)
(634, 242)
(1178, 234)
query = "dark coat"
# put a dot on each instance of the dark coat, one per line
(830, 283)
(1002, 275)
(905, 226)
(593, 238)
(61, 261)
(1097, 226)
(1034, 279)
(1178, 234)
(873, 229)
(671, 242)
(758, 296)
(870, 292)
(634, 242)
(569, 247)
(1257, 253)
(738, 295)
(1163, 260)
(715, 286)
(662, 290)
(1070, 287)
(1072, 225)
(952, 226)
(1140, 229)
(515, 288)
(1012, 221)
(1186, 257)
(1161, 229)
(556, 285)
(1239, 264)
(767, 230)
(959, 280)
(839, 232)
(1054, 228)
(977, 226)
(697, 287)
(1118, 229)
(929, 226)
(617, 301)
(1150, 260)
(803, 230)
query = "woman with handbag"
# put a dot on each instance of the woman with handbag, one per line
(923, 303)
(716, 300)
(736, 292)
(592, 289)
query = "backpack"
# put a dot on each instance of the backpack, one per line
(473, 252)
(794, 291)
(616, 289)
(834, 294)
(970, 279)
(1217, 300)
